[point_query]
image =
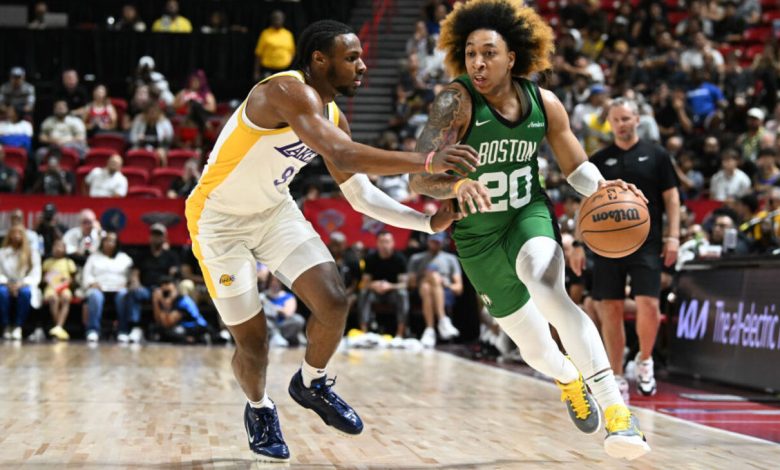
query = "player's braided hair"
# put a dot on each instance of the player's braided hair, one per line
(318, 36)
(524, 31)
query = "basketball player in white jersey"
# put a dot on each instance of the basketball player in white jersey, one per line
(241, 212)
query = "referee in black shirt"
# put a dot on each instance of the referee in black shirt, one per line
(649, 167)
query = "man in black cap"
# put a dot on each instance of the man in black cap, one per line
(49, 228)
(150, 267)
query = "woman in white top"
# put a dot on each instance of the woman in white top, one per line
(20, 274)
(106, 274)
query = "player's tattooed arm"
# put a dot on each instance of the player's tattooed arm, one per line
(448, 120)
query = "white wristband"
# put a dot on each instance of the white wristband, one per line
(366, 198)
(585, 178)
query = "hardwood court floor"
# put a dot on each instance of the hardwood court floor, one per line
(110, 407)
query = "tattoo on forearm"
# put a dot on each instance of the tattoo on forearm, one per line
(441, 130)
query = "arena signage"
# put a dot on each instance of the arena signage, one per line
(726, 326)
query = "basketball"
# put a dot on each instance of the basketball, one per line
(614, 222)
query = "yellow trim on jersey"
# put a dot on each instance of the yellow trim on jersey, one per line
(333, 110)
(233, 150)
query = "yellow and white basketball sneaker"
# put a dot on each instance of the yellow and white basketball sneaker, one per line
(624, 439)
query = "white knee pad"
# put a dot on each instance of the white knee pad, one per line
(240, 308)
(540, 261)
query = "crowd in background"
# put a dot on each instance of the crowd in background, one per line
(704, 73)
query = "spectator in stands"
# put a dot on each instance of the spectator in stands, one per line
(749, 142)
(106, 275)
(768, 174)
(697, 21)
(49, 227)
(17, 92)
(176, 314)
(15, 131)
(219, 24)
(436, 11)
(152, 131)
(275, 48)
(432, 66)
(765, 70)
(39, 16)
(285, 325)
(691, 180)
(730, 182)
(99, 115)
(145, 74)
(58, 272)
(83, 240)
(736, 80)
(9, 178)
(71, 90)
(152, 265)
(709, 160)
(418, 43)
(130, 21)
(171, 21)
(705, 100)
(385, 281)
(731, 27)
(62, 130)
(20, 274)
(722, 223)
(436, 275)
(347, 263)
(35, 240)
(183, 185)
(196, 102)
(107, 181)
(597, 97)
(54, 180)
(750, 11)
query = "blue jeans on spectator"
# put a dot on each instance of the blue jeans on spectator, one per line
(22, 305)
(95, 300)
(135, 298)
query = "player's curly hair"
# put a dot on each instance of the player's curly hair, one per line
(525, 32)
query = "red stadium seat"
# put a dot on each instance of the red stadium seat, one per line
(117, 142)
(15, 156)
(609, 5)
(69, 158)
(120, 104)
(178, 157)
(141, 158)
(135, 176)
(81, 174)
(726, 50)
(163, 177)
(674, 4)
(769, 16)
(757, 35)
(223, 109)
(98, 156)
(768, 5)
(144, 191)
(752, 51)
(676, 17)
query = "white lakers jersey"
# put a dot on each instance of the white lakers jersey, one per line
(250, 168)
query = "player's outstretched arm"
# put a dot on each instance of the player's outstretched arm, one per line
(582, 175)
(448, 120)
(298, 105)
(366, 198)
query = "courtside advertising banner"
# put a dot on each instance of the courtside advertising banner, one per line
(726, 326)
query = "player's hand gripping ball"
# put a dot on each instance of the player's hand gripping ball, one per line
(613, 222)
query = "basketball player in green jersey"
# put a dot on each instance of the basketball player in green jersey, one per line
(508, 245)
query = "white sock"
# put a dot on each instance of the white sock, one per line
(309, 373)
(605, 389)
(264, 402)
(531, 333)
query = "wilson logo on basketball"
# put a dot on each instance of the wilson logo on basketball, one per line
(617, 215)
(226, 279)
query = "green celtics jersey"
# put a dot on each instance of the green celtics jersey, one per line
(508, 165)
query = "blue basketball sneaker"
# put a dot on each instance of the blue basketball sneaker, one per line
(265, 434)
(321, 399)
